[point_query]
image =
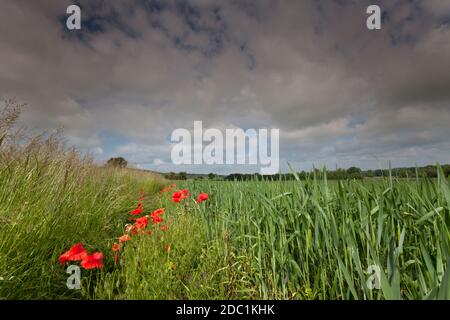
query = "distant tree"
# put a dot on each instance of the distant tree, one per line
(354, 173)
(378, 173)
(182, 176)
(302, 175)
(170, 176)
(353, 170)
(211, 176)
(446, 169)
(176, 176)
(118, 162)
(430, 171)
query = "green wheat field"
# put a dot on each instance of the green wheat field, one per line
(302, 239)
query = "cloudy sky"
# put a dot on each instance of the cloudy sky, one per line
(138, 69)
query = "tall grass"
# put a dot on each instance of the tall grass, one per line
(316, 240)
(194, 268)
(50, 198)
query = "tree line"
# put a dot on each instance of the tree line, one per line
(350, 173)
(338, 174)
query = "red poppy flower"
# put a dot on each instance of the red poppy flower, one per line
(167, 248)
(92, 261)
(157, 213)
(77, 252)
(116, 247)
(141, 223)
(157, 219)
(202, 197)
(177, 196)
(164, 228)
(124, 238)
(137, 211)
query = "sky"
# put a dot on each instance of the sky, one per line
(340, 94)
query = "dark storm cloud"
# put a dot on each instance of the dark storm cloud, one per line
(139, 69)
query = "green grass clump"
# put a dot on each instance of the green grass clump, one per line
(313, 239)
(51, 198)
(189, 270)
